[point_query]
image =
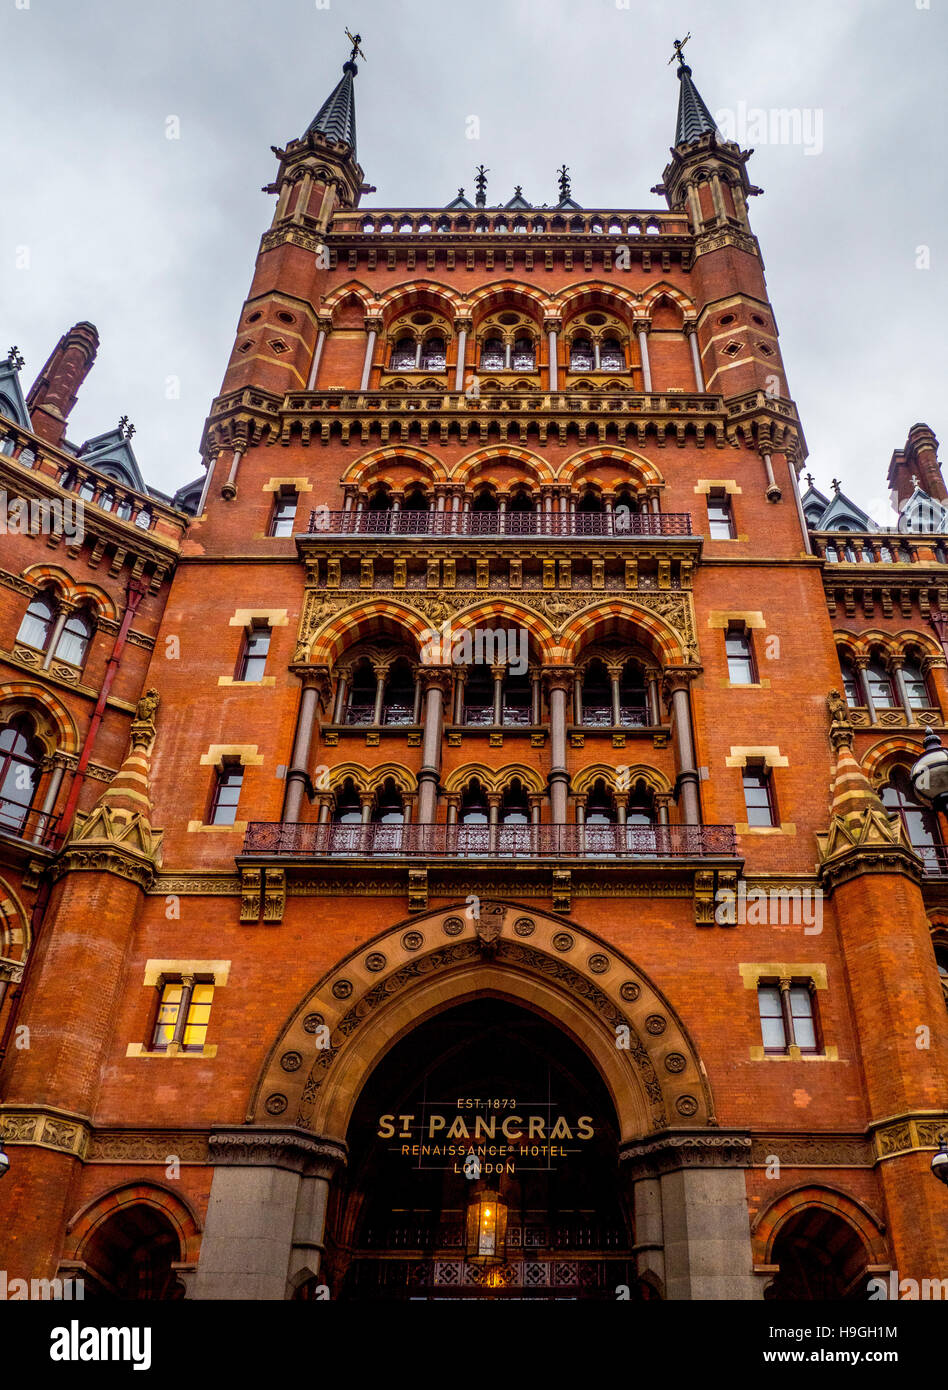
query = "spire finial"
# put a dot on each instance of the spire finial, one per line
(835, 484)
(15, 358)
(126, 428)
(809, 480)
(565, 187)
(480, 183)
(678, 45)
(356, 41)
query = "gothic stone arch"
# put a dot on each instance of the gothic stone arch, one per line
(416, 969)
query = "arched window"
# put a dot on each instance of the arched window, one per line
(521, 501)
(493, 355)
(514, 805)
(641, 806)
(74, 639)
(921, 824)
(37, 624)
(524, 355)
(600, 806)
(581, 355)
(416, 499)
(485, 509)
(361, 706)
(404, 355)
(633, 697)
(880, 685)
(916, 685)
(399, 702)
(611, 356)
(433, 357)
(590, 502)
(348, 809)
(479, 697)
(517, 698)
(389, 805)
(21, 755)
(474, 809)
(850, 680)
(597, 696)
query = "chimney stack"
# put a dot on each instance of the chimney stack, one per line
(53, 393)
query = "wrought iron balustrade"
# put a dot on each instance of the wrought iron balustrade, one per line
(31, 826)
(304, 840)
(620, 524)
(934, 860)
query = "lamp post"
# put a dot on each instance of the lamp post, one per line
(940, 1162)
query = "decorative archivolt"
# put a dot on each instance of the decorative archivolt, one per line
(879, 761)
(375, 464)
(354, 289)
(474, 465)
(55, 727)
(433, 961)
(609, 652)
(587, 777)
(420, 294)
(495, 779)
(83, 1227)
(370, 779)
(561, 623)
(643, 473)
(596, 294)
(663, 290)
(509, 293)
(66, 588)
(892, 643)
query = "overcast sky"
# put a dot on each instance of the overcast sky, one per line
(153, 239)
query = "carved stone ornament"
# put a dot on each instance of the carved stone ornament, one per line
(489, 924)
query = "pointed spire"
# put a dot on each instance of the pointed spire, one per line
(694, 118)
(335, 119)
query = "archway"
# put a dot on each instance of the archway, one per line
(442, 1133)
(132, 1256)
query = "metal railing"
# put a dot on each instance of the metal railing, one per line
(490, 841)
(31, 826)
(934, 860)
(619, 524)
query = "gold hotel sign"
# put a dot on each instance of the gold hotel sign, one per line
(501, 1133)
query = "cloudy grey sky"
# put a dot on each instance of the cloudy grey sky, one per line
(154, 239)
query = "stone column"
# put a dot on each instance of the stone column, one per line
(498, 672)
(325, 326)
(535, 712)
(316, 687)
(373, 327)
(552, 328)
(460, 680)
(461, 327)
(652, 676)
(691, 329)
(677, 681)
(266, 1215)
(861, 664)
(559, 680)
(342, 689)
(896, 668)
(642, 327)
(381, 669)
(615, 676)
(436, 681)
(690, 1201)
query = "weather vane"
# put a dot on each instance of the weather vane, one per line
(565, 189)
(678, 45)
(355, 40)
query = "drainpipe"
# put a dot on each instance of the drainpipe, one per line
(134, 595)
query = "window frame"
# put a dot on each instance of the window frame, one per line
(721, 500)
(739, 631)
(765, 777)
(279, 515)
(227, 768)
(788, 1018)
(173, 982)
(254, 632)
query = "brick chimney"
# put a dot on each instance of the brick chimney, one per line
(919, 459)
(53, 393)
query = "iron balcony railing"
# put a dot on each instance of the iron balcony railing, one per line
(31, 826)
(619, 524)
(490, 841)
(934, 860)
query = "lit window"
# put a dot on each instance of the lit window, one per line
(227, 784)
(284, 513)
(758, 796)
(740, 658)
(184, 1010)
(253, 656)
(720, 517)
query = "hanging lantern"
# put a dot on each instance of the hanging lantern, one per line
(486, 1225)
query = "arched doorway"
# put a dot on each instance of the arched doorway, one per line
(821, 1257)
(441, 1153)
(131, 1256)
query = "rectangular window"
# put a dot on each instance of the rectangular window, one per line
(740, 657)
(284, 512)
(253, 656)
(787, 1017)
(223, 811)
(759, 796)
(720, 517)
(190, 1030)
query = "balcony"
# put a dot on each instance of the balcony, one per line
(28, 828)
(603, 842)
(934, 860)
(494, 524)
